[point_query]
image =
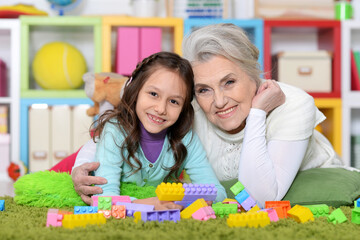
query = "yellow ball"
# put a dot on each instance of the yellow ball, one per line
(59, 65)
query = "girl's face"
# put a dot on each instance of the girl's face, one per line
(224, 92)
(160, 100)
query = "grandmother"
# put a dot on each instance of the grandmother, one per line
(261, 132)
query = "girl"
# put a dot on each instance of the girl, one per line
(147, 139)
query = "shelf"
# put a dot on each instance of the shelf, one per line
(285, 35)
(111, 23)
(254, 28)
(84, 33)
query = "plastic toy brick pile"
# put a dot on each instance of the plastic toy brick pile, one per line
(240, 212)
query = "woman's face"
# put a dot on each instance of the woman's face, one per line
(224, 92)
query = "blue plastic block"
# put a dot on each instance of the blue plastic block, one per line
(242, 196)
(85, 209)
(2, 205)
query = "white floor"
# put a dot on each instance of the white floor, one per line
(6, 186)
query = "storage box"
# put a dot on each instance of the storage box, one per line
(5, 152)
(323, 9)
(3, 80)
(310, 71)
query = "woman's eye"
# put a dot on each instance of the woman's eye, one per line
(203, 90)
(229, 82)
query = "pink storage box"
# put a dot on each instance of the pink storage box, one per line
(3, 80)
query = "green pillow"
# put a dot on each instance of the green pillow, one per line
(332, 186)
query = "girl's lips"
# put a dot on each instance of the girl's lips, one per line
(226, 113)
(155, 119)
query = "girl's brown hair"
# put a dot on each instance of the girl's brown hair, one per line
(128, 122)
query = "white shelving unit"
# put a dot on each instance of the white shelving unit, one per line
(350, 99)
(10, 54)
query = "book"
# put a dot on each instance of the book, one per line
(3, 119)
(355, 80)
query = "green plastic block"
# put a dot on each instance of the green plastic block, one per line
(319, 210)
(237, 188)
(355, 215)
(222, 209)
(104, 203)
(337, 216)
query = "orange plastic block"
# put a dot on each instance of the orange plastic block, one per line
(170, 191)
(300, 214)
(281, 207)
(187, 212)
(81, 220)
(252, 220)
(118, 211)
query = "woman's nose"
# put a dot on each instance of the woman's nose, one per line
(219, 99)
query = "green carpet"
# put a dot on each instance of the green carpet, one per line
(26, 222)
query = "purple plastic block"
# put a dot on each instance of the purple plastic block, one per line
(248, 203)
(185, 204)
(160, 216)
(135, 207)
(85, 209)
(114, 199)
(195, 191)
(242, 196)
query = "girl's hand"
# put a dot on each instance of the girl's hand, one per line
(159, 205)
(269, 96)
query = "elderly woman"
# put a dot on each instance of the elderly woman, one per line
(260, 132)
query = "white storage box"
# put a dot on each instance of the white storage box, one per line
(4, 152)
(310, 71)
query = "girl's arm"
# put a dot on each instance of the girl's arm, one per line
(198, 167)
(267, 170)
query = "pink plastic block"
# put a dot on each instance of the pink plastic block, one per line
(114, 199)
(3, 80)
(127, 51)
(54, 218)
(204, 214)
(272, 214)
(150, 41)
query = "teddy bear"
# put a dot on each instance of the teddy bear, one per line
(104, 89)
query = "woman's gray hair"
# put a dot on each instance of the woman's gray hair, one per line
(225, 40)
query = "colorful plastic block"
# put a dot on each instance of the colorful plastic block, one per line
(252, 220)
(300, 214)
(131, 208)
(204, 214)
(229, 200)
(248, 204)
(85, 209)
(54, 218)
(104, 203)
(254, 209)
(355, 215)
(160, 216)
(242, 196)
(106, 213)
(170, 191)
(185, 204)
(187, 212)
(357, 203)
(195, 191)
(2, 205)
(237, 188)
(114, 199)
(118, 211)
(319, 210)
(81, 220)
(272, 214)
(222, 209)
(337, 216)
(281, 207)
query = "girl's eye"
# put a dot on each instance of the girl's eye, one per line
(153, 94)
(174, 102)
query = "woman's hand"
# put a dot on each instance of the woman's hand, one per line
(159, 205)
(82, 181)
(269, 96)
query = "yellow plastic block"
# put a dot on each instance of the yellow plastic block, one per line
(253, 220)
(226, 200)
(187, 212)
(81, 220)
(137, 217)
(254, 209)
(170, 192)
(300, 214)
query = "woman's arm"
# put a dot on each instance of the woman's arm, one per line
(268, 169)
